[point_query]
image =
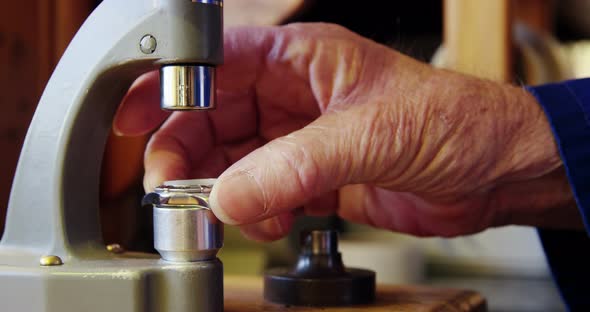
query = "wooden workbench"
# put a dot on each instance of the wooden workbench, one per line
(245, 295)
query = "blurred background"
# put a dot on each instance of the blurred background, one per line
(515, 41)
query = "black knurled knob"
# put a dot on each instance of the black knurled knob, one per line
(319, 278)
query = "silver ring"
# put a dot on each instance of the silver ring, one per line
(214, 2)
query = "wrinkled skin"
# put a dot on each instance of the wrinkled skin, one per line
(314, 116)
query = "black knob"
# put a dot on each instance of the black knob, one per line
(319, 278)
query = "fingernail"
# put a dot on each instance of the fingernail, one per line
(163, 165)
(116, 130)
(150, 181)
(237, 199)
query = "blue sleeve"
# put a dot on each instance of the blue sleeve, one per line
(567, 106)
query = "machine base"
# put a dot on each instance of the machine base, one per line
(127, 283)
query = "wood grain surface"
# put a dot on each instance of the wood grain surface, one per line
(244, 294)
(31, 42)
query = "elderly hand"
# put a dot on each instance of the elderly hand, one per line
(307, 109)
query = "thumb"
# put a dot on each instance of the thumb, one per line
(292, 170)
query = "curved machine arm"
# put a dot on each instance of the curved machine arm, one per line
(53, 207)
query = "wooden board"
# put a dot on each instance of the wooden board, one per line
(245, 295)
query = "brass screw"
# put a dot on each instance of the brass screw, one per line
(50, 260)
(115, 248)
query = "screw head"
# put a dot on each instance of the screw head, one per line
(50, 260)
(115, 248)
(148, 44)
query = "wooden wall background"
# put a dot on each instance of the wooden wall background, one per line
(33, 35)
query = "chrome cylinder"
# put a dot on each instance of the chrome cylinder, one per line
(185, 228)
(320, 242)
(187, 234)
(187, 87)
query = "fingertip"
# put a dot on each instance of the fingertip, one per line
(150, 182)
(139, 111)
(237, 199)
(269, 230)
(117, 132)
(163, 166)
(217, 209)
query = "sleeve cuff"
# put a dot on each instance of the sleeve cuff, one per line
(567, 107)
